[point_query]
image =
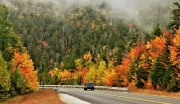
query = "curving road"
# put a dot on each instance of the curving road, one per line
(109, 97)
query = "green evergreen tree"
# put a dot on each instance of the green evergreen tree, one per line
(132, 72)
(19, 85)
(170, 81)
(141, 75)
(4, 80)
(156, 31)
(175, 18)
(43, 73)
(167, 76)
(157, 73)
(173, 85)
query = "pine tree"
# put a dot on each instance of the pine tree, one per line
(132, 72)
(157, 31)
(176, 18)
(167, 76)
(157, 73)
(141, 76)
(4, 79)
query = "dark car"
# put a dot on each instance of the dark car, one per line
(89, 85)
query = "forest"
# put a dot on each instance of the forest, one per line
(61, 42)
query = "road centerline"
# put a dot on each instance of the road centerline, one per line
(126, 97)
(140, 99)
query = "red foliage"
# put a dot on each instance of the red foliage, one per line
(110, 81)
(22, 61)
(165, 32)
(168, 36)
(24, 70)
(45, 44)
(84, 71)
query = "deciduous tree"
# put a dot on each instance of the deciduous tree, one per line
(25, 64)
(4, 80)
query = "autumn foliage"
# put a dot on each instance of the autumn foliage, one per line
(17, 74)
(23, 62)
(138, 69)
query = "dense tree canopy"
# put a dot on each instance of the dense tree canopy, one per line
(79, 43)
(14, 80)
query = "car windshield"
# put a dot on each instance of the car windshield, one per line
(90, 84)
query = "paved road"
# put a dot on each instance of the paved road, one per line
(109, 97)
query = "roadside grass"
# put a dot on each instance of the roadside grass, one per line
(157, 93)
(47, 96)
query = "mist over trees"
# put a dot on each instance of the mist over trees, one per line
(112, 43)
(52, 38)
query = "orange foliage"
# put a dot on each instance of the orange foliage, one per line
(16, 60)
(175, 52)
(52, 73)
(123, 70)
(110, 81)
(149, 85)
(23, 62)
(65, 75)
(177, 38)
(155, 47)
(87, 56)
(84, 71)
(140, 48)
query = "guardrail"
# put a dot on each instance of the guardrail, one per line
(120, 89)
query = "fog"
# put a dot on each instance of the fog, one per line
(127, 9)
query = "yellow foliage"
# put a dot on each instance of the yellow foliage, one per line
(93, 24)
(98, 56)
(104, 47)
(177, 38)
(173, 51)
(23, 62)
(65, 75)
(87, 56)
(78, 63)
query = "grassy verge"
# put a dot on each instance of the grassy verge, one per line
(157, 93)
(48, 96)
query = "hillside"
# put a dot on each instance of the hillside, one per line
(109, 43)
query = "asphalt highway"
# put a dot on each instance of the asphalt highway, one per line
(110, 97)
